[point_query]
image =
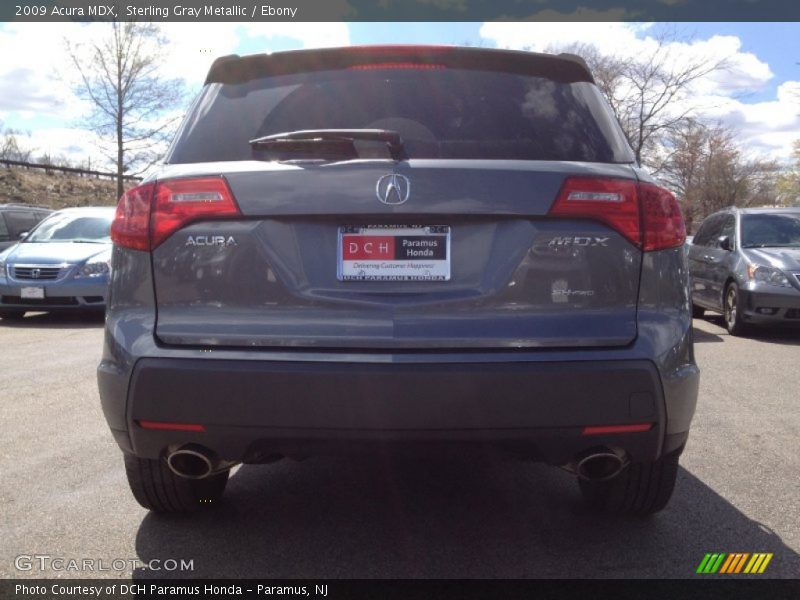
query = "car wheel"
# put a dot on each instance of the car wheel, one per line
(697, 311)
(157, 488)
(11, 315)
(643, 488)
(732, 311)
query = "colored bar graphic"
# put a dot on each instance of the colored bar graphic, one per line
(711, 562)
(741, 562)
(703, 563)
(764, 564)
(728, 563)
(734, 563)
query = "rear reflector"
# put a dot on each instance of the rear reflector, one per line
(605, 429)
(645, 214)
(171, 426)
(148, 214)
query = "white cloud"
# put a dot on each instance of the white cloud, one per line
(194, 46)
(767, 127)
(32, 69)
(37, 78)
(609, 37)
(77, 145)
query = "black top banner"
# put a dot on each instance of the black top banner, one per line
(400, 10)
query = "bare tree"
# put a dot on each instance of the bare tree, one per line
(649, 94)
(789, 181)
(10, 146)
(709, 171)
(119, 76)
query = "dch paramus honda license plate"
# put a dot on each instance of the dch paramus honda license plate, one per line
(394, 253)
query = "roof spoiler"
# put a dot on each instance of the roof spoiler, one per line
(235, 69)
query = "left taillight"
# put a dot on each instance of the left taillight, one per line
(148, 214)
(131, 225)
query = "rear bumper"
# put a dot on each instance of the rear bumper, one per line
(254, 409)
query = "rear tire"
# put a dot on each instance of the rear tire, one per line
(11, 315)
(698, 311)
(643, 488)
(157, 488)
(732, 310)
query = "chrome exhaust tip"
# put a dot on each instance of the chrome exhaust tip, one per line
(193, 462)
(601, 465)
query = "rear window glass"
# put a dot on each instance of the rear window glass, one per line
(440, 113)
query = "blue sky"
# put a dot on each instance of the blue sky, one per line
(758, 95)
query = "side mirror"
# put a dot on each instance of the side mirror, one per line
(23, 235)
(725, 243)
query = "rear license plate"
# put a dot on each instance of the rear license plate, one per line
(394, 253)
(32, 292)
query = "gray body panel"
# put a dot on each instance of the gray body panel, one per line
(519, 280)
(664, 340)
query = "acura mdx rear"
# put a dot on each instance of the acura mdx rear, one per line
(399, 249)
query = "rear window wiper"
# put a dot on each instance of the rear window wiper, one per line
(330, 141)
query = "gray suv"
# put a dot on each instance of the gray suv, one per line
(745, 263)
(401, 248)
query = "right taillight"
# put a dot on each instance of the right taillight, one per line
(645, 214)
(148, 214)
(662, 220)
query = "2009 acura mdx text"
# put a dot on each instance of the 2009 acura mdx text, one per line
(399, 248)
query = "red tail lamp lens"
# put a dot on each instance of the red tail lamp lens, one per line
(611, 201)
(148, 214)
(646, 214)
(178, 202)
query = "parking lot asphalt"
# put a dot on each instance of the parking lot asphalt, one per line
(64, 493)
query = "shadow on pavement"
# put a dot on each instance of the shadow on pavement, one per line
(702, 337)
(57, 320)
(437, 518)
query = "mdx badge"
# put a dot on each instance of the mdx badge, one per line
(211, 240)
(393, 189)
(579, 241)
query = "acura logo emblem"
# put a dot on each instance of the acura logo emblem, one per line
(393, 189)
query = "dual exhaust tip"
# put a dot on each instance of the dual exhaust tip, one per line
(196, 462)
